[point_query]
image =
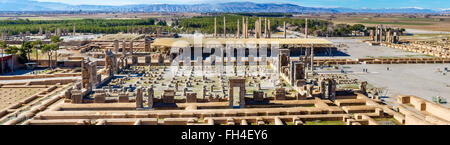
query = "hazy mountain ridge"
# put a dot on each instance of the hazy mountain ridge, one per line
(30, 5)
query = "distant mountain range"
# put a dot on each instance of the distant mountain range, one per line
(232, 7)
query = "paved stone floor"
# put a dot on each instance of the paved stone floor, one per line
(357, 49)
(421, 80)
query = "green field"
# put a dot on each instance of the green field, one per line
(105, 26)
(393, 23)
(319, 122)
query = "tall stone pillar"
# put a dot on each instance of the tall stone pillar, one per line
(124, 48)
(139, 98)
(41, 31)
(332, 89)
(148, 60)
(381, 33)
(158, 31)
(243, 27)
(246, 28)
(134, 60)
(256, 29)
(306, 28)
(74, 30)
(377, 33)
(150, 95)
(265, 27)
(224, 27)
(116, 45)
(215, 26)
(259, 32)
(371, 35)
(131, 47)
(284, 29)
(363, 87)
(238, 31)
(126, 62)
(312, 57)
(269, 29)
(147, 45)
(322, 88)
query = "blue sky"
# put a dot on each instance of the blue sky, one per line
(430, 4)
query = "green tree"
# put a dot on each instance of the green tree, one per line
(19, 51)
(3, 45)
(48, 48)
(12, 50)
(56, 40)
(26, 49)
(36, 46)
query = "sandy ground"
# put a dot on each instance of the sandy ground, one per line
(421, 80)
(357, 49)
(418, 31)
(9, 96)
(43, 79)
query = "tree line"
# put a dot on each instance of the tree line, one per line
(105, 26)
(205, 24)
(23, 52)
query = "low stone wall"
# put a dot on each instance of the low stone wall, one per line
(437, 114)
(25, 77)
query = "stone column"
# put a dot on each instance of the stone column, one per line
(363, 87)
(215, 26)
(116, 45)
(124, 49)
(148, 60)
(381, 33)
(147, 45)
(99, 97)
(158, 31)
(74, 31)
(41, 31)
(150, 95)
(332, 89)
(246, 28)
(77, 97)
(123, 98)
(134, 60)
(322, 88)
(312, 57)
(260, 28)
(371, 35)
(306, 28)
(256, 30)
(238, 31)
(139, 98)
(309, 90)
(126, 62)
(224, 27)
(377, 31)
(131, 47)
(191, 98)
(284, 29)
(243, 27)
(265, 27)
(269, 29)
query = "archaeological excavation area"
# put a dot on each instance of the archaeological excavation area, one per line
(138, 78)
